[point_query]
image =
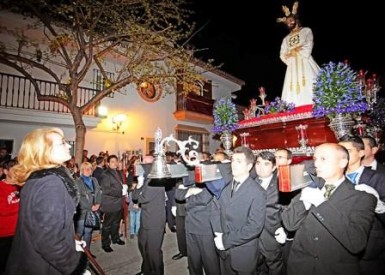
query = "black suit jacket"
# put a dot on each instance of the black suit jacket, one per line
(180, 203)
(198, 208)
(98, 173)
(377, 181)
(376, 242)
(241, 219)
(152, 200)
(111, 184)
(380, 168)
(273, 216)
(329, 237)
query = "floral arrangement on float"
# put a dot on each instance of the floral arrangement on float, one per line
(225, 121)
(225, 116)
(278, 106)
(337, 91)
(337, 94)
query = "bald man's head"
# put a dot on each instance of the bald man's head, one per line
(331, 160)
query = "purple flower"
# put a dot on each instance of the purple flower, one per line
(337, 91)
(279, 106)
(225, 116)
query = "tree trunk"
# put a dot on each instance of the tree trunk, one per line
(80, 130)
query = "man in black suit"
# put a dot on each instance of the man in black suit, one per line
(179, 211)
(201, 251)
(270, 249)
(112, 182)
(332, 221)
(371, 149)
(373, 259)
(170, 188)
(99, 169)
(150, 194)
(240, 217)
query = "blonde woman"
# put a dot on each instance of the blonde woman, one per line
(44, 240)
(90, 198)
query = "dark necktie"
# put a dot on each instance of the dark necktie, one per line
(328, 190)
(235, 186)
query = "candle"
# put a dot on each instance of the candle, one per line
(302, 132)
(361, 73)
(369, 83)
(360, 130)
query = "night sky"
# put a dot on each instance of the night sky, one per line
(247, 40)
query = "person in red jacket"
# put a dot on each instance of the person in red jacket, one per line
(9, 209)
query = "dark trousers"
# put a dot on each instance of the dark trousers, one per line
(226, 268)
(170, 219)
(5, 248)
(286, 248)
(150, 246)
(202, 255)
(181, 234)
(271, 261)
(110, 227)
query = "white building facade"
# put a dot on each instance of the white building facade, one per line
(131, 120)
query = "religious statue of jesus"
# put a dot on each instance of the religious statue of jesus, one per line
(296, 49)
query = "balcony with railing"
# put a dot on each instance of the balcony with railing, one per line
(194, 108)
(18, 92)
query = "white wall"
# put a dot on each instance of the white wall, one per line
(143, 118)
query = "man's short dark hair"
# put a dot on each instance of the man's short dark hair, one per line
(372, 141)
(112, 157)
(247, 152)
(267, 155)
(99, 160)
(355, 140)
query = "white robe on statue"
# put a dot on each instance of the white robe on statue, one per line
(301, 69)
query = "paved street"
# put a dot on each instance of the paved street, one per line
(126, 259)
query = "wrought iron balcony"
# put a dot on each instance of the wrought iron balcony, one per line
(194, 108)
(18, 92)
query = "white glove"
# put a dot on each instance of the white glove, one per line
(368, 189)
(182, 187)
(193, 191)
(86, 272)
(313, 196)
(125, 189)
(140, 182)
(173, 211)
(218, 241)
(380, 207)
(79, 245)
(280, 235)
